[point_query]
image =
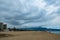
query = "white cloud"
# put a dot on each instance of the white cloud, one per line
(29, 12)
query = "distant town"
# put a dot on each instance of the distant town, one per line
(3, 27)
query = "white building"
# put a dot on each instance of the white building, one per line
(3, 26)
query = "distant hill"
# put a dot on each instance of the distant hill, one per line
(39, 29)
(34, 29)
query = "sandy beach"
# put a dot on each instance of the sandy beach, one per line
(28, 35)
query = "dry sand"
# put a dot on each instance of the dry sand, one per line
(28, 35)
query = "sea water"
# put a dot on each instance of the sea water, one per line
(55, 32)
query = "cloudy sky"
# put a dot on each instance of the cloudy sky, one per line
(30, 13)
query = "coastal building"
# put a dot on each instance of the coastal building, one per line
(3, 26)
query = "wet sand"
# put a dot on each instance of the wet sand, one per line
(28, 35)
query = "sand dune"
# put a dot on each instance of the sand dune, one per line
(28, 35)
